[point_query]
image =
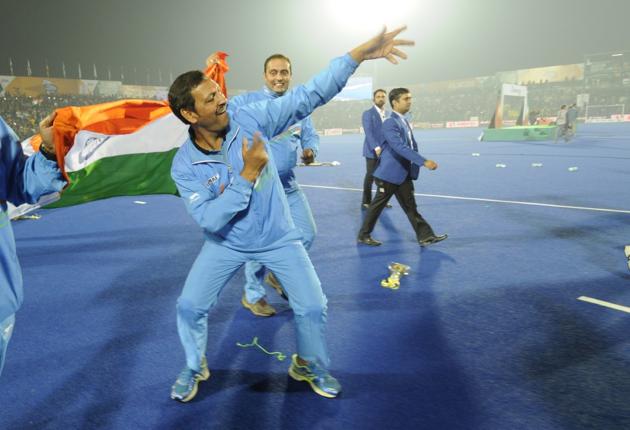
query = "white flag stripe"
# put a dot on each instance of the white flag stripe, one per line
(160, 135)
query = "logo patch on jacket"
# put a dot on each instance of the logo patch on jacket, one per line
(296, 130)
(213, 179)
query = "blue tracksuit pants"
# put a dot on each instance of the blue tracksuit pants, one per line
(214, 267)
(303, 220)
(6, 329)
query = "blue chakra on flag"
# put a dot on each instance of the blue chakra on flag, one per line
(90, 146)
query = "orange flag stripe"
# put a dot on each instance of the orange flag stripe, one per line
(117, 117)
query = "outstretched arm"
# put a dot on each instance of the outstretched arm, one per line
(275, 116)
(26, 179)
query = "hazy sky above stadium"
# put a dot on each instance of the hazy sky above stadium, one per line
(454, 38)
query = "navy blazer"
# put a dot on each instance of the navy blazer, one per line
(373, 129)
(400, 157)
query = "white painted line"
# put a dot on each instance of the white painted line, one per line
(606, 304)
(515, 202)
(604, 137)
(477, 199)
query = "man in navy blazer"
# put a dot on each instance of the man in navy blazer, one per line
(398, 166)
(372, 121)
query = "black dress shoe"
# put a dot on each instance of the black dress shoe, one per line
(432, 239)
(367, 240)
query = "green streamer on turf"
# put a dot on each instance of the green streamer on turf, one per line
(280, 356)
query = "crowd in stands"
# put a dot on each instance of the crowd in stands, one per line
(340, 114)
(454, 105)
(462, 104)
(22, 113)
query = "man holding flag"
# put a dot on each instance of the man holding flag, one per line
(22, 180)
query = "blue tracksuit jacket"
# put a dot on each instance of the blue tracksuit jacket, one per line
(230, 209)
(286, 147)
(22, 180)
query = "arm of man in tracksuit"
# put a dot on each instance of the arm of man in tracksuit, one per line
(211, 207)
(25, 179)
(272, 117)
(372, 131)
(241, 100)
(397, 141)
(309, 139)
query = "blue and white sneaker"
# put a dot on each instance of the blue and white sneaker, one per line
(185, 388)
(319, 379)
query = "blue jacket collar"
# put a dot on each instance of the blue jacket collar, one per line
(270, 93)
(398, 115)
(197, 156)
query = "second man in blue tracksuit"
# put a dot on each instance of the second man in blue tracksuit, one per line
(299, 139)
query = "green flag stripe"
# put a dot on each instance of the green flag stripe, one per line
(123, 175)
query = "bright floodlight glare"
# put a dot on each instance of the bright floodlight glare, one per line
(369, 16)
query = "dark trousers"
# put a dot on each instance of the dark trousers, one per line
(407, 201)
(370, 166)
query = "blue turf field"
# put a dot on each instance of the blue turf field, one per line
(485, 333)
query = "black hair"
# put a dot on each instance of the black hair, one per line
(179, 94)
(396, 93)
(380, 90)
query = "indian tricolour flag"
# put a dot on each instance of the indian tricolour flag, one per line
(120, 148)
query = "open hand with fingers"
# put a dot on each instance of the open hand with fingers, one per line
(383, 45)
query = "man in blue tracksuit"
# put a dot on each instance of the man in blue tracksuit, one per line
(234, 193)
(22, 180)
(300, 137)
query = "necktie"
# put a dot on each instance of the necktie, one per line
(408, 132)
